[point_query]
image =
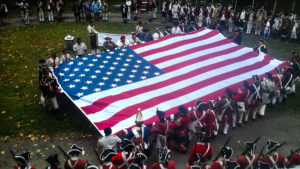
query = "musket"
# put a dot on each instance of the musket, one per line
(64, 153)
(220, 152)
(281, 144)
(258, 158)
(98, 157)
(254, 142)
(13, 155)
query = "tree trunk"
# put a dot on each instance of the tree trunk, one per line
(274, 8)
(253, 1)
(294, 5)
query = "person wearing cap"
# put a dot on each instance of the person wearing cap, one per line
(273, 158)
(164, 160)
(123, 159)
(254, 99)
(158, 34)
(249, 159)
(261, 47)
(225, 160)
(79, 47)
(237, 37)
(197, 116)
(123, 42)
(168, 30)
(202, 148)
(109, 45)
(140, 134)
(161, 129)
(176, 29)
(134, 39)
(180, 127)
(93, 36)
(139, 161)
(75, 162)
(23, 161)
(146, 36)
(139, 29)
(109, 141)
(53, 161)
(106, 157)
(91, 166)
(53, 61)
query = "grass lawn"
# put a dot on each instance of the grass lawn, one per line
(22, 47)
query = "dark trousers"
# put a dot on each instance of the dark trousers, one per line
(93, 40)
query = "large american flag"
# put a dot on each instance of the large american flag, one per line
(175, 70)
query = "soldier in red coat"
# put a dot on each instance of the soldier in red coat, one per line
(162, 129)
(202, 147)
(75, 162)
(23, 161)
(294, 159)
(273, 158)
(105, 157)
(139, 161)
(123, 159)
(278, 78)
(200, 163)
(164, 161)
(91, 166)
(53, 161)
(210, 119)
(180, 127)
(249, 159)
(196, 117)
(240, 97)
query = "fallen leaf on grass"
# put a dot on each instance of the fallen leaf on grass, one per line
(2, 152)
(3, 112)
(21, 134)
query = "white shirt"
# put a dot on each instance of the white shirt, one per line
(53, 64)
(79, 49)
(135, 42)
(243, 15)
(109, 142)
(138, 29)
(121, 44)
(65, 58)
(157, 35)
(91, 29)
(176, 30)
(295, 27)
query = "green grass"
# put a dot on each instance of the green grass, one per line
(21, 48)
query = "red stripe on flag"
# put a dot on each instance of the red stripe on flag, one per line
(131, 110)
(104, 102)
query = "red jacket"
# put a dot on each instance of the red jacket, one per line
(181, 128)
(123, 160)
(241, 95)
(277, 159)
(217, 165)
(201, 148)
(75, 163)
(107, 165)
(162, 128)
(171, 165)
(247, 161)
(295, 159)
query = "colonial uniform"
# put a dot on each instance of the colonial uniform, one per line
(278, 79)
(248, 160)
(53, 161)
(162, 128)
(23, 161)
(240, 97)
(105, 157)
(294, 160)
(123, 159)
(65, 57)
(203, 149)
(268, 89)
(139, 161)
(250, 22)
(196, 117)
(122, 43)
(134, 40)
(93, 36)
(274, 160)
(139, 135)
(75, 162)
(254, 99)
(53, 61)
(158, 34)
(109, 45)
(164, 161)
(200, 17)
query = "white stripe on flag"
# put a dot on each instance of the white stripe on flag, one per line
(150, 112)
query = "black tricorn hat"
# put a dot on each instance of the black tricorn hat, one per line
(52, 159)
(74, 149)
(107, 38)
(91, 166)
(232, 164)
(23, 158)
(126, 143)
(251, 147)
(272, 145)
(227, 152)
(107, 154)
(160, 113)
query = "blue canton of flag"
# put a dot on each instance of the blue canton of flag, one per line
(95, 73)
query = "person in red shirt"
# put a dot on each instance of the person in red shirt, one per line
(105, 157)
(210, 119)
(196, 117)
(202, 147)
(180, 127)
(294, 159)
(272, 158)
(164, 161)
(249, 159)
(162, 129)
(139, 161)
(278, 78)
(53, 161)
(123, 159)
(240, 97)
(75, 162)
(23, 161)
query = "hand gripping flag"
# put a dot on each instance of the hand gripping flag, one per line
(172, 71)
